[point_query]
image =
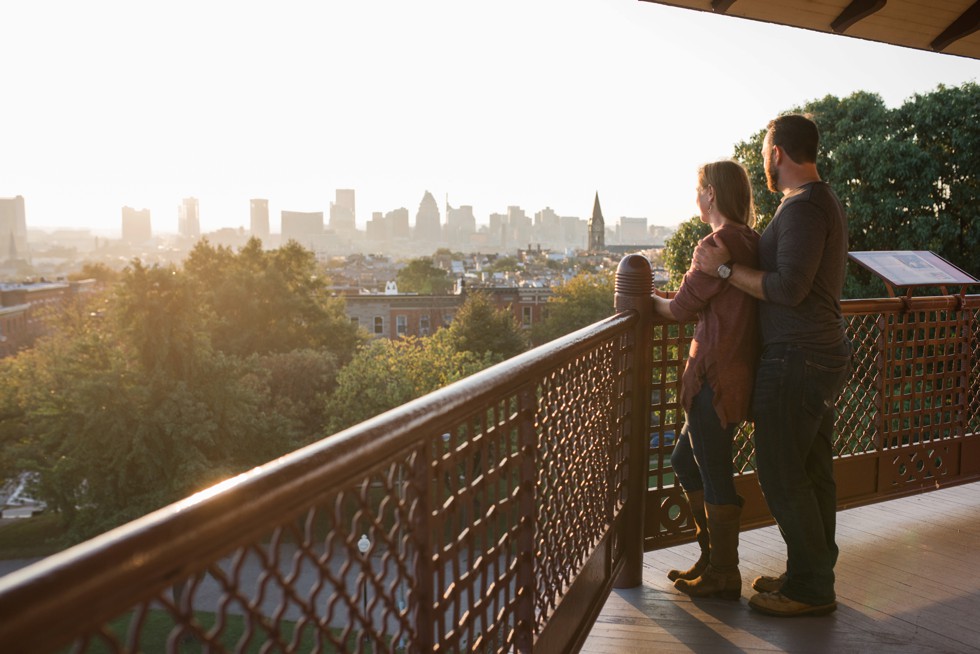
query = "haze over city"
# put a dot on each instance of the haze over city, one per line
(536, 104)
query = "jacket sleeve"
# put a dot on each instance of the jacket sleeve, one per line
(696, 291)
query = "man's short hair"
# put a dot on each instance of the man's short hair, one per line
(797, 135)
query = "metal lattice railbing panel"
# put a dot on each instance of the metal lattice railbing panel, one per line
(913, 394)
(459, 522)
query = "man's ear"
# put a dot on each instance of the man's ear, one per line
(777, 154)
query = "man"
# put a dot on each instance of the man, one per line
(804, 364)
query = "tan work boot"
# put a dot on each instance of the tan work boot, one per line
(767, 584)
(695, 500)
(781, 606)
(721, 578)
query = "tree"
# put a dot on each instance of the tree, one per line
(262, 302)
(679, 248)
(123, 410)
(422, 277)
(386, 374)
(479, 327)
(583, 300)
(907, 177)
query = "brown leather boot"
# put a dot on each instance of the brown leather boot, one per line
(721, 578)
(695, 500)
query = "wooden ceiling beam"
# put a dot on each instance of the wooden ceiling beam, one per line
(721, 6)
(965, 25)
(857, 10)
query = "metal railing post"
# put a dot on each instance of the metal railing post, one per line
(634, 286)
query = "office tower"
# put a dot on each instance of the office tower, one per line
(189, 218)
(597, 228)
(13, 229)
(428, 224)
(633, 231)
(377, 229)
(518, 227)
(498, 229)
(342, 217)
(136, 225)
(547, 228)
(300, 225)
(259, 215)
(460, 224)
(398, 221)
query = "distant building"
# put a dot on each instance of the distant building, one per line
(460, 224)
(13, 230)
(342, 215)
(302, 226)
(136, 225)
(189, 218)
(428, 224)
(395, 316)
(597, 228)
(633, 231)
(25, 308)
(259, 218)
(398, 220)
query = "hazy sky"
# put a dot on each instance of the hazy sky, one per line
(514, 102)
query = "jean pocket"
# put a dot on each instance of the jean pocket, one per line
(822, 383)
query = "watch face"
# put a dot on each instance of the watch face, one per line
(724, 271)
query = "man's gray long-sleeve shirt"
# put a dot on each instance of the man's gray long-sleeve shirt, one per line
(803, 253)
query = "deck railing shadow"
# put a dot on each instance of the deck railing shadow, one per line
(493, 515)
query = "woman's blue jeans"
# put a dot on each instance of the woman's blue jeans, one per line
(793, 407)
(702, 456)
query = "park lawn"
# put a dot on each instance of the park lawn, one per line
(28, 538)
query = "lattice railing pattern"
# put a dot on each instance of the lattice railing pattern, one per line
(915, 385)
(471, 535)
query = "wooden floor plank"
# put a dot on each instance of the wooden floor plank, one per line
(908, 580)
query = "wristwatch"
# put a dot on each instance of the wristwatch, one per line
(725, 270)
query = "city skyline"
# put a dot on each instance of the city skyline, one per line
(519, 104)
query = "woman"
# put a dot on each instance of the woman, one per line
(717, 382)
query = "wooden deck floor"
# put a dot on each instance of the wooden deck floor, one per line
(908, 580)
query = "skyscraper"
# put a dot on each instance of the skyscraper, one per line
(259, 215)
(342, 215)
(597, 228)
(136, 225)
(460, 224)
(189, 218)
(13, 229)
(428, 224)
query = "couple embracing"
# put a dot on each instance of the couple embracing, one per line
(770, 345)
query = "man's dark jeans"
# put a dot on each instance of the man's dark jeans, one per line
(702, 456)
(793, 407)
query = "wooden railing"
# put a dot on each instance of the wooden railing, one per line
(494, 515)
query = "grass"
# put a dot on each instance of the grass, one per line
(27, 538)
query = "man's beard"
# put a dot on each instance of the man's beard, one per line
(772, 177)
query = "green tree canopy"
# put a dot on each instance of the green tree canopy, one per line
(423, 277)
(261, 302)
(479, 327)
(581, 301)
(908, 177)
(386, 374)
(679, 248)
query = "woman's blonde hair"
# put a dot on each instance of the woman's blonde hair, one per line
(733, 190)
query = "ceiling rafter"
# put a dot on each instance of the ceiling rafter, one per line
(857, 10)
(965, 25)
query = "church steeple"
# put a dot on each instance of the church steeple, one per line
(597, 228)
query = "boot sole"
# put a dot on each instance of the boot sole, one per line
(732, 595)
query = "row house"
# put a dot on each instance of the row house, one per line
(398, 315)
